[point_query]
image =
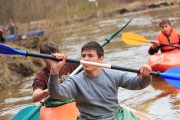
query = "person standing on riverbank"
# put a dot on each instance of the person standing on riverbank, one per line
(168, 36)
(95, 89)
(40, 83)
(12, 28)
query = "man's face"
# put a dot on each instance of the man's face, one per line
(166, 28)
(91, 55)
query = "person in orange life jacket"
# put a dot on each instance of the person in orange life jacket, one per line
(168, 35)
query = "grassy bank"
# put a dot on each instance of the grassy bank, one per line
(15, 67)
(47, 15)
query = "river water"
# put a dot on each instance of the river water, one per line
(159, 101)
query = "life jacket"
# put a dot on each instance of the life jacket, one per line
(174, 40)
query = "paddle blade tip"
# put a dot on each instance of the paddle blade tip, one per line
(173, 76)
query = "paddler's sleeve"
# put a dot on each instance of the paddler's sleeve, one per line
(60, 91)
(151, 51)
(133, 82)
(53, 86)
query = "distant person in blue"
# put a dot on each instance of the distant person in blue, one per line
(12, 27)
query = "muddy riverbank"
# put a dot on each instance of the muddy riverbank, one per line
(15, 67)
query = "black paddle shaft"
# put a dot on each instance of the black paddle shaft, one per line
(106, 42)
(47, 56)
(167, 45)
(132, 70)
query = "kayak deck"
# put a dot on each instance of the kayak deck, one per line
(63, 112)
(164, 61)
(70, 112)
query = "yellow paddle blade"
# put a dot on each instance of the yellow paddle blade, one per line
(134, 39)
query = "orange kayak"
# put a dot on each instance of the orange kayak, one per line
(163, 61)
(70, 112)
(64, 112)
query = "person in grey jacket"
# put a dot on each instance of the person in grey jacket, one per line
(95, 89)
(12, 27)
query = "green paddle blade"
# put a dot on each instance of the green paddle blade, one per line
(22, 115)
(31, 112)
(116, 33)
(134, 39)
(111, 37)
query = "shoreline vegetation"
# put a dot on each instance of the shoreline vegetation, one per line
(15, 68)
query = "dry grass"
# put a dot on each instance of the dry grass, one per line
(6, 76)
(16, 67)
(51, 14)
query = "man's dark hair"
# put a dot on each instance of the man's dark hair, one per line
(95, 46)
(48, 47)
(164, 21)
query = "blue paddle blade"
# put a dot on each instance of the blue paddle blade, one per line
(172, 76)
(22, 115)
(10, 51)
